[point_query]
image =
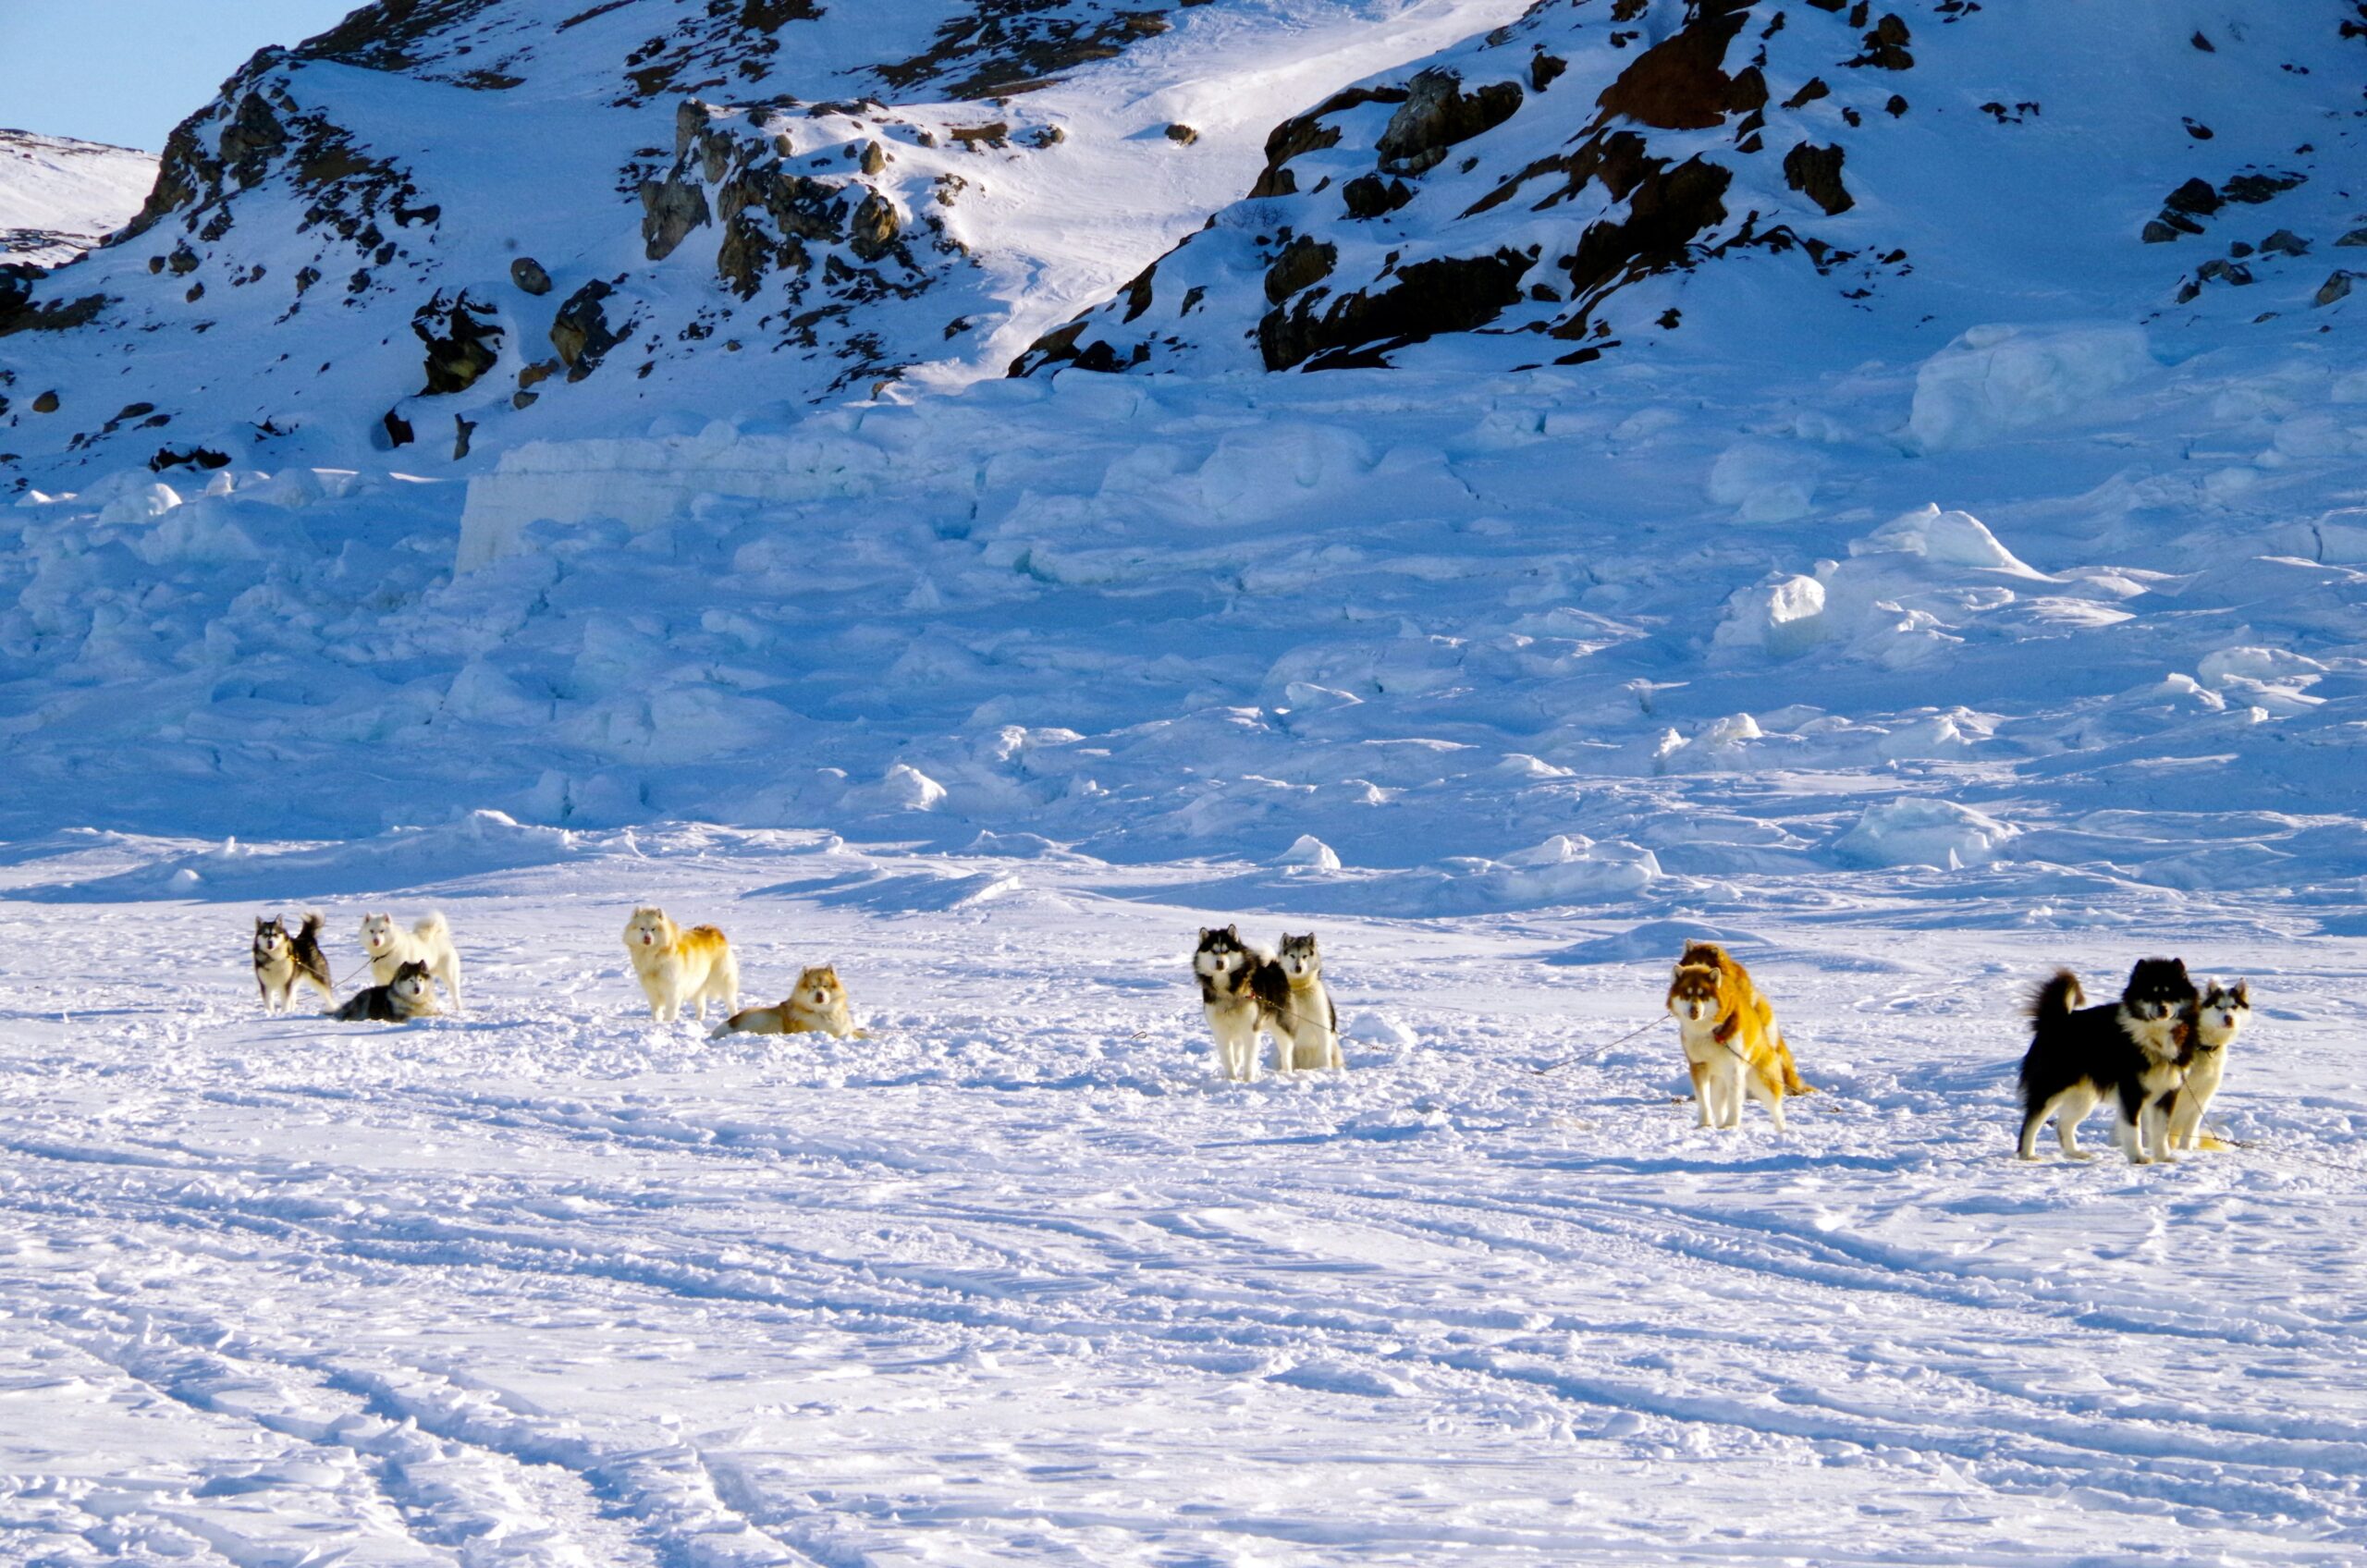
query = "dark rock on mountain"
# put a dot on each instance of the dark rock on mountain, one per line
(1429, 298)
(581, 332)
(1815, 172)
(462, 341)
(1437, 114)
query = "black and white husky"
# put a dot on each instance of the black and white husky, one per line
(408, 995)
(284, 957)
(427, 943)
(1305, 1023)
(1232, 974)
(2136, 1050)
(2222, 1014)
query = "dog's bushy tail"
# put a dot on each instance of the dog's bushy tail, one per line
(431, 924)
(2057, 999)
(1793, 1083)
(311, 924)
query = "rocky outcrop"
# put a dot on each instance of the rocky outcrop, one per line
(581, 333)
(1461, 196)
(1450, 295)
(670, 208)
(462, 339)
(1436, 114)
(1681, 83)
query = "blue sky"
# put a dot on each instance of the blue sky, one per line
(127, 71)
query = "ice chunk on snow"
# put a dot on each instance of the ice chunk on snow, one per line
(1944, 539)
(1762, 482)
(2257, 663)
(1372, 1029)
(1309, 851)
(901, 788)
(140, 505)
(1570, 865)
(1996, 379)
(1781, 619)
(1267, 470)
(1922, 831)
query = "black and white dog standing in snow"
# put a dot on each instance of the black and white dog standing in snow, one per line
(2136, 1050)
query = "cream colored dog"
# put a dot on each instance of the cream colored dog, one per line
(427, 943)
(677, 966)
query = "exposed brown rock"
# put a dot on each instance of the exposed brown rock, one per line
(872, 232)
(462, 339)
(1304, 263)
(581, 331)
(1436, 114)
(1680, 83)
(1454, 294)
(1369, 196)
(670, 209)
(1886, 47)
(1815, 172)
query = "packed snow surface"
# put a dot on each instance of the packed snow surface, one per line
(1018, 1280)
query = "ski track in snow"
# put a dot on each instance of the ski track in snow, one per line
(1017, 1280)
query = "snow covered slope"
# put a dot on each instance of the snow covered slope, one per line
(58, 197)
(1808, 183)
(462, 225)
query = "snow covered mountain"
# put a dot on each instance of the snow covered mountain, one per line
(472, 224)
(58, 197)
(1813, 180)
(1734, 543)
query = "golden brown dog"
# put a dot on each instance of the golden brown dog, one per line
(1731, 1046)
(818, 1006)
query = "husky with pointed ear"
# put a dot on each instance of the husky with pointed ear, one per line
(428, 942)
(2136, 1050)
(2223, 1011)
(284, 958)
(677, 966)
(1727, 1030)
(1299, 1013)
(408, 995)
(1229, 970)
(818, 1006)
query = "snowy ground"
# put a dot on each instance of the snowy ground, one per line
(1017, 1280)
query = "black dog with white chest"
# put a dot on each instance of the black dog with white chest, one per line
(2134, 1050)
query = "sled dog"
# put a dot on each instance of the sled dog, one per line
(1228, 971)
(2222, 1014)
(2134, 1050)
(677, 966)
(1299, 1013)
(408, 995)
(285, 957)
(1718, 958)
(1732, 1046)
(818, 1006)
(429, 942)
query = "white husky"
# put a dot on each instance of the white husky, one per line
(427, 942)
